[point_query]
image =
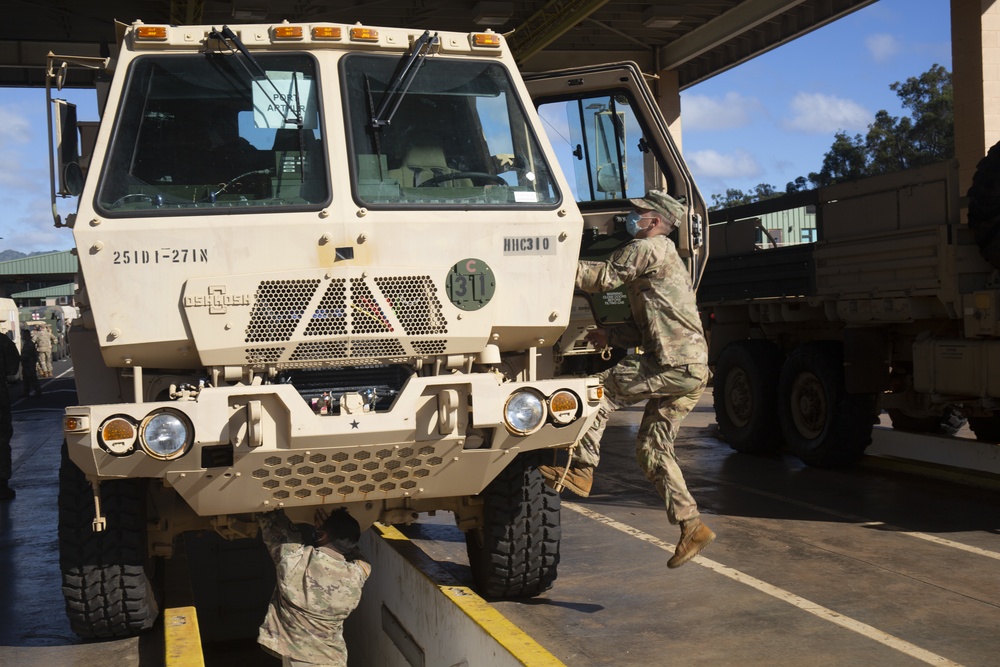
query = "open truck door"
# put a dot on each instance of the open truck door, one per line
(613, 144)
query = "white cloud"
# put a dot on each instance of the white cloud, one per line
(14, 128)
(701, 112)
(712, 164)
(882, 46)
(816, 113)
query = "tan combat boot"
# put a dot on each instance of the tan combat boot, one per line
(578, 480)
(695, 536)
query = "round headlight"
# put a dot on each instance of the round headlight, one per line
(165, 435)
(524, 413)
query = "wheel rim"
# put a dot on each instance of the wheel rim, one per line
(809, 405)
(739, 400)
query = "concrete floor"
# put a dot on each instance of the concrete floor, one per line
(858, 567)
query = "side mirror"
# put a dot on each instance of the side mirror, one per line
(68, 149)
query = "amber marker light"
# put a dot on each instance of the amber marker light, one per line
(76, 424)
(151, 32)
(326, 33)
(288, 32)
(364, 35)
(563, 407)
(118, 436)
(486, 39)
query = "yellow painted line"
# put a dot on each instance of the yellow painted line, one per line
(182, 641)
(520, 645)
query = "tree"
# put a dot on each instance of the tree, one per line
(891, 144)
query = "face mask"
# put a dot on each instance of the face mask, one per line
(632, 223)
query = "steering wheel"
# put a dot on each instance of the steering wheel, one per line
(472, 175)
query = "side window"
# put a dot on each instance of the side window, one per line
(600, 145)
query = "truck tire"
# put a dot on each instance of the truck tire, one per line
(823, 425)
(947, 423)
(987, 429)
(106, 586)
(515, 554)
(984, 206)
(746, 396)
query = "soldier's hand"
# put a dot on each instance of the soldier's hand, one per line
(598, 338)
(319, 517)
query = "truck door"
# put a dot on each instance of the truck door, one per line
(613, 144)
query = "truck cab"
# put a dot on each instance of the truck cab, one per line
(332, 266)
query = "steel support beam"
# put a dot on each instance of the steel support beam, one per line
(548, 24)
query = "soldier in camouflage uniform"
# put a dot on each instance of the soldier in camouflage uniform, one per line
(44, 340)
(319, 585)
(670, 373)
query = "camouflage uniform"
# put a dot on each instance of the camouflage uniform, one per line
(671, 371)
(317, 589)
(9, 361)
(44, 339)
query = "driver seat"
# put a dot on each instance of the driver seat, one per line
(422, 163)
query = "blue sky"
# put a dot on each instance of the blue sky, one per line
(773, 118)
(766, 121)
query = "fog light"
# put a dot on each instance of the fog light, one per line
(117, 435)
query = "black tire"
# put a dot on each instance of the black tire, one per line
(516, 552)
(984, 206)
(987, 429)
(745, 396)
(823, 425)
(105, 583)
(947, 423)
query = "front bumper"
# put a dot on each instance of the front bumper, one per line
(276, 452)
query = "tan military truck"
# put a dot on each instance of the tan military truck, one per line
(329, 265)
(894, 308)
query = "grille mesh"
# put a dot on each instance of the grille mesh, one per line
(387, 470)
(347, 312)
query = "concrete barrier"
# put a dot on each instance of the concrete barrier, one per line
(414, 614)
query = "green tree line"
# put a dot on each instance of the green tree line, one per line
(891, 144)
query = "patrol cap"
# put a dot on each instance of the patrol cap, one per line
(661, 202)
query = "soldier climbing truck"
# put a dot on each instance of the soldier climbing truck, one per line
(326, 265)
(894, 307)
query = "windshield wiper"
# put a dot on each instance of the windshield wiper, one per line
(229, 38)
(403, 78)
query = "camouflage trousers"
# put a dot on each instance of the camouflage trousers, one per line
(670, 394)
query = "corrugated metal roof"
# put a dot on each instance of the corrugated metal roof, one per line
(69, 289)
(53, 262)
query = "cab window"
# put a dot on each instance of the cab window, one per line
(204, 134)
(456, 137)
(601, 146)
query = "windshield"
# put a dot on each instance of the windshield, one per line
(200, 132)
(459, 137)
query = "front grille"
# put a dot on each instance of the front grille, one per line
(386, 470)
(346, 323)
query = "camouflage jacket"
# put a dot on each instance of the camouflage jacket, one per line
(660, 296)
(317, 588)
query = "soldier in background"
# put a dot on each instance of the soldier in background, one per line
(44, 340)
(670, 373)
(9, 361)
(319, 583)
(29, 365)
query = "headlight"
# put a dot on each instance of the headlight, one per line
(564, 407)
(524, 413)
(166, 435)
